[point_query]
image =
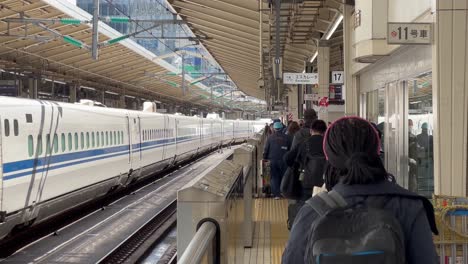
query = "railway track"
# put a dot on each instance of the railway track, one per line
(122, 231)
(137, 245)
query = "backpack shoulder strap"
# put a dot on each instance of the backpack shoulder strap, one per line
(325, 202)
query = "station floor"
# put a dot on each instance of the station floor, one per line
(270, 232)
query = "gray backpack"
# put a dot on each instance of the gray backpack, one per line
(363, 233)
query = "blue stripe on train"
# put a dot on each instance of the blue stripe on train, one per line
(48, 161)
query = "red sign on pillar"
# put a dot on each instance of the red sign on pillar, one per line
(323, 102)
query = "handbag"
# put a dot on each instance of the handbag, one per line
(291, 187)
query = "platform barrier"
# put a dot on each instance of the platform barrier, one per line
(221, 195)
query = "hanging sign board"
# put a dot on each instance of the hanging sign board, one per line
(308, 97)
(300, 78)
(337, 77)
(409, 33)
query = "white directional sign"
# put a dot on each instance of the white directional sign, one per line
(337, 77)
(300, 78)
(308, 97)
(409, 33)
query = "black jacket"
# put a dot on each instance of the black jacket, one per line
(301, 136)
(415, 214)
(299, 151)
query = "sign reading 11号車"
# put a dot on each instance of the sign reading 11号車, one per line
(300, 78)
(409, 33)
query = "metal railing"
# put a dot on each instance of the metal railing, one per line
(204, 243)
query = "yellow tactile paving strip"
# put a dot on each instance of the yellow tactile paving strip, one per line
(270, 232)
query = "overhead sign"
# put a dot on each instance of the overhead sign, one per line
(337, 77)
(409, 33)
(308, 97)
(300, 78)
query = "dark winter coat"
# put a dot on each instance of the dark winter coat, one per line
(276, 146)
(415, 214)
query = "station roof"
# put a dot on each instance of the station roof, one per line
(233, 30)
(39, 48)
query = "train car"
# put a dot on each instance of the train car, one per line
(55, 156)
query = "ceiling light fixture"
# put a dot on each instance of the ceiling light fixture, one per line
(314, 57)
(334, 27)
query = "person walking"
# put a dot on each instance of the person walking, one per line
(302, 135)
(275, 148)
(385, 222)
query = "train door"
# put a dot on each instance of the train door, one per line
(130, 141)
(2, 216)
(136, 143)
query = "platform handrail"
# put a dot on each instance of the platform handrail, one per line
(203, 243)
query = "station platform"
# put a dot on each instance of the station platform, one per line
(270, 232)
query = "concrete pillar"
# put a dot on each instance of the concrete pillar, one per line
(20, 87)
(351, 93)
(73, 88)
(450, 97)
(324, 77)
(32, 87)
(122, 103)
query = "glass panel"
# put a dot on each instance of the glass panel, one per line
(76, 141)
(87, 139)
(93, 140)
(39, 145)
(15, 127)
(48, 146)
(7, 127)
(56, 147)
(391, 130)
(420, 139)
(30, 146)
(70, 142)
(98, 139)
(63, 141)
(82, 140)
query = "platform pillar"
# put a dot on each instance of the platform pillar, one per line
(324, 77)
(73, 88)
(450, 95)
(122, 102)
(351, 93)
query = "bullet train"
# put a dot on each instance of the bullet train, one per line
(54, 156)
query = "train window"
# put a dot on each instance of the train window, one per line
(76, 141)
(82, 140)
(15, 127)
(55, 143)
(102, 139)
(64, 144)
(48, 147)
(107, 138)
(39, 145)
(93, 140)
(121, 137)
(111, 138)
(7, 127)
(97, 140)
(30, 146)
(28, 118)
(70, 142)
(87, 140)
(115, 139)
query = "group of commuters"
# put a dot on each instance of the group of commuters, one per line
(364, 216)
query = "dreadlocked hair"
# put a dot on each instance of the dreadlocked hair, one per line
(352, 147)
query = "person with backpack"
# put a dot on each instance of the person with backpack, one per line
(310, 160)
(276, 146)
(309, 117)
(364, 218)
